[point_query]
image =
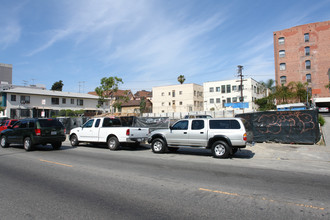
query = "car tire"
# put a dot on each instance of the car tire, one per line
(74, 140)
(158, 145)
(3, 142)
(57, 145)
(113, 143)
(27, 144)
(220, 149)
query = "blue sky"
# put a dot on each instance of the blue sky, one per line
(147, 43)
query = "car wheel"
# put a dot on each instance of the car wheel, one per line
(3, 141)
(173, 149)
(57, 145)
(27, 144)
(113, 143)
(158, 145)
(220, 149)
(74, 140)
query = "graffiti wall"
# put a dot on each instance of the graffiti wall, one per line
(283, 127)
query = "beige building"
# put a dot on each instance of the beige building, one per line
(177, 98)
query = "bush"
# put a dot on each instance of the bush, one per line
(321, 120)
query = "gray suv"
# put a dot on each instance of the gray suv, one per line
(222, 135)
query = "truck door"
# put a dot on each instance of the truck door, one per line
(87, 131)
(178, 134)
(198, 133)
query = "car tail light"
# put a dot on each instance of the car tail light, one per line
(38, 132)
(127, 132)
(245, 137)
(64, 130)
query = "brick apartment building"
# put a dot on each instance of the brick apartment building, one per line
(302, 53)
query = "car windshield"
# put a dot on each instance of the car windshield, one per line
(49, 123)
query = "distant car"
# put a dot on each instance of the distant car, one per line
(33, 131)
(323, 109)
(7, 123)
(198, 116)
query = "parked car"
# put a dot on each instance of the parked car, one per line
(198, 116)
(6, 123)
(33, 131)
(110, 131)
(323, 109)
(222, 135)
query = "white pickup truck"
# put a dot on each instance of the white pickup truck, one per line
(108, 130)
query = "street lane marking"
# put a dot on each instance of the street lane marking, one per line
(62, 164)
(263, 198)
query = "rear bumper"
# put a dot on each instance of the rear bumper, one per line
(48, 139)
(136, 139)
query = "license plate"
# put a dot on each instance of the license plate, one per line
(53, 133)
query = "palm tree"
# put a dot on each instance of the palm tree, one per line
(181, 79)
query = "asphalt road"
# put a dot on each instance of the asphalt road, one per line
(94, 183)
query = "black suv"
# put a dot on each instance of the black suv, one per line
(33, 131)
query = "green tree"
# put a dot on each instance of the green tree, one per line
(57, 86)
(181, 79)
(109, 85)
(143, 105)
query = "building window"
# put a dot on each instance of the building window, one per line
(228, 100)
(72, 101)
(180, 103)
(55, 101)
(211, 101)
(281, 53)
(211, 89)
(173, 93)
(25, 99)
(308, 77)
(163, 103)
(169, 104)
(307, 51)
(306, 37)
(180, 92)
(234, 88)
(80, 102)
(13, 98)
(281, 40)
(194, 92)
(239, 87)
(228, 88)
(283, 79)
(169, 93)
(163, 94)
(282, 66)
(217, 100)
(223, 89)
(254, 89)
(308, 64)
(173, 102)
(217, 89)
(63, 100)
(234, 99)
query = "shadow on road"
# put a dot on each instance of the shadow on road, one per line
(241, 154)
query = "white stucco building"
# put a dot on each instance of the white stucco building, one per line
(23, 102)
(177, 98)
(225, 95)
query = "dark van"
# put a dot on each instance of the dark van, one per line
(34, 131)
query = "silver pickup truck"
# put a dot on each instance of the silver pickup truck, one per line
(222, 135)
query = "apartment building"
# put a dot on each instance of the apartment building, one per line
(177, 98)
(24, 102)
(226, 94)
(6, 73)
(302, 54)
